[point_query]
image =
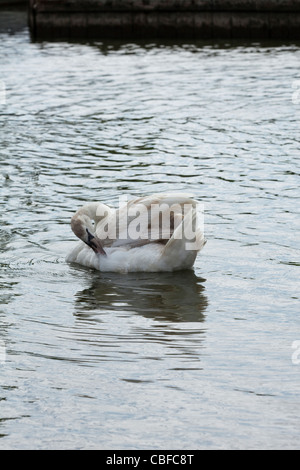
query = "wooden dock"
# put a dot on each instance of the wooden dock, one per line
(165, 19)
(7, 4)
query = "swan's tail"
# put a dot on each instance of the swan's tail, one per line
(187, 240)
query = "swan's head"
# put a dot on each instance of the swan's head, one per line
(83, 229)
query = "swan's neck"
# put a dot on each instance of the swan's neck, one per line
(84, 229)
(82, 225)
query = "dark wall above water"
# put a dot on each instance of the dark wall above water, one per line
(10, 3)
(172, 19)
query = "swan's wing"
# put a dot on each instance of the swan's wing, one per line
(105, 225)
(165, 198)
(150, 219)
(186, 241)
(122, 227)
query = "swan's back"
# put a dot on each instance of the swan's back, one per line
(144, 220)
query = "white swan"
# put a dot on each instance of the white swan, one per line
(153, 233)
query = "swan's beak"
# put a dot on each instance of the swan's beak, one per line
(95, 244)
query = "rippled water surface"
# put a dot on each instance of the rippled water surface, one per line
(193, 360)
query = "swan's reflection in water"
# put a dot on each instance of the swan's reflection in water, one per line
(173, 297)
(142, 316)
